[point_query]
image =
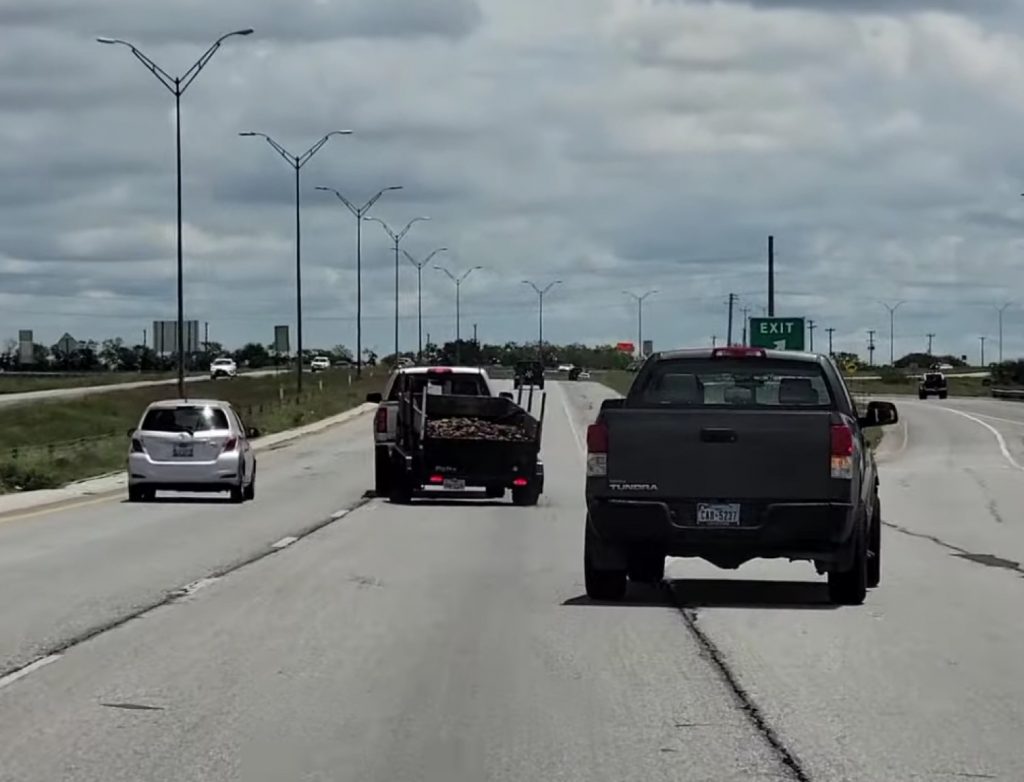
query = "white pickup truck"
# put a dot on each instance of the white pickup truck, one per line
(463, 381)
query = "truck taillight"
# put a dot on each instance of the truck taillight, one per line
(380, 421)
(597, 450)
(842, 451)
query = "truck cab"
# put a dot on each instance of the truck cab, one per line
(933, 383)
(461, 381)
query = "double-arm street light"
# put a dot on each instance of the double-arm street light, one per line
(458, 312)
(640, 318)
(297, 162)
(177, 85)
(359, 213)
(540, 327)
(892, 328)
(397, 239)
(419, 296)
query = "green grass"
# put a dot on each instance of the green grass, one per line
(14, 383)
(958, 386)
(616, 379)
(49, 444)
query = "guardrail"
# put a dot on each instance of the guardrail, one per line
(1008, 393)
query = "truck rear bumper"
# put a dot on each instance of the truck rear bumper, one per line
(819, 531)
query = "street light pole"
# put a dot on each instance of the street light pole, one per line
(397, 239)
(177, 85)
(640, 318)
(540, 296)
(892, 328)
(297, 162)
(419, 297)
(1001, 310)
(359, 213)
(458, 314)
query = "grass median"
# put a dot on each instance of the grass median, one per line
(48, 444)
(15, 383)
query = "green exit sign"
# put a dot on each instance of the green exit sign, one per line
(777, 333)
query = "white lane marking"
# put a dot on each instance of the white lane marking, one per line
(572, 424)
(283, 542)
(995, 433)
(21, 673)
(339, 514)
(995, 418)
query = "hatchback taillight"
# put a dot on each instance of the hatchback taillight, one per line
(842, 447)
(230, 444)
(137, 445)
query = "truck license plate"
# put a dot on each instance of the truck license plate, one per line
(183, 451)
(454, 484)
(718, 514)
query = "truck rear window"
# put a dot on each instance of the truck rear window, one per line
(734, 383)
(452, 383)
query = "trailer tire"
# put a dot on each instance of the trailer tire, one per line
(525, 495)
(382, 472)
(399, 491)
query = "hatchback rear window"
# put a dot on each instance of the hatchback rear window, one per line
(185, 419)
(734, 383)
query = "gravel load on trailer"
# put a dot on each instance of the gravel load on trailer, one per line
(474, 429)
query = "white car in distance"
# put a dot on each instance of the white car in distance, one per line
(191, 445)
(223, 367)
(320, 364)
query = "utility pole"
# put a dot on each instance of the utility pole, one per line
(830, 331)
(810, 328)
(982, 350)
(771, 276)
(640, 318)
(1001, 311)
(714, 340)
(458, 280)
(475, 340)
(206, 337)
(930, 338)
(892, 329)
(419, 297)
(145, 334)
(871, 347)
(746, 320)
(397, 239)
(728, 338)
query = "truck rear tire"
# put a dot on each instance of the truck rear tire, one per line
(495, 492)
(849, 587)
(605, 585)
(381, 472)
(399, 491)
(875, 548)
(922, 395)
(943, 394)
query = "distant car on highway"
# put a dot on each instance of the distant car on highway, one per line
(464, 381)
(933, 384)
(223, 367)
(320, 364)
(732, 454)
(191, 445)
(583, 375)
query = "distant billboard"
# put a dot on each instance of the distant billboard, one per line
(625, 347)
(165, 336)
(281, 345)
(26, 349)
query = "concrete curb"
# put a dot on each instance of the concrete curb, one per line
(114, 483)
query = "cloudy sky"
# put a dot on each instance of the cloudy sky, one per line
(611, 144)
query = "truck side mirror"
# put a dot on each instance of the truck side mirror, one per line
(505, 395)
(374, 398)
(612, 404)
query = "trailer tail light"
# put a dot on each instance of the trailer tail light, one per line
(436, 480)
(597, 450)
(380, 421)
(842, 451)
(738, 351)
(520, 482)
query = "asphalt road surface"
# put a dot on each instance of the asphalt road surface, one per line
(23, 397)
(452, 641)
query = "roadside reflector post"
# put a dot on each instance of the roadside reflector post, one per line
(280, 394)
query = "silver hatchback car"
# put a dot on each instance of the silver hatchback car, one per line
(193, 445)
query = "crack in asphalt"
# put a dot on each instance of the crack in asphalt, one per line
(178, 594)
(988, 560)
(751, 710)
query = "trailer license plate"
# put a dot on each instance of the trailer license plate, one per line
(454, 484)
(183, 451)
(718, 514)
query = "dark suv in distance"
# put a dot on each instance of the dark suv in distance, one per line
(933, 384)
(529, 373)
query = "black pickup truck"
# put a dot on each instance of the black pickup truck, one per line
(732, 454)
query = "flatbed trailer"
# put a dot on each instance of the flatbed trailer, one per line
(460, 442)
